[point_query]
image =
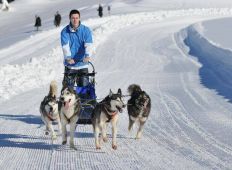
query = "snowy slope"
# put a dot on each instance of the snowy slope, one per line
(190, 123)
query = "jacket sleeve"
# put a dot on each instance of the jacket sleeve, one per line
(88, 42)
(65, 44)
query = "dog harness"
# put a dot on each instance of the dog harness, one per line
(69, 119)
(47, 114)
(52, 119)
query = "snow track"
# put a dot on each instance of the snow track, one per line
(136, 48)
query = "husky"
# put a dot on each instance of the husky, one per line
(107, 111)
(138, 107)
(70, 108)
(49, 110)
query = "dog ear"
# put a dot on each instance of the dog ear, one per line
(111, 93)
(120, 92)
(44, 100)
(64, 87)
(71, 90)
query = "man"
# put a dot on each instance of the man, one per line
(108, 8)
(5, 5)
(37, 22)
(100, 10)
(76, 41)
(57, 19)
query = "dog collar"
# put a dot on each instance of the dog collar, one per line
(114, 112)
(108, 111)
(51, 118)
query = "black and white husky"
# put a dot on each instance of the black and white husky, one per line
(139, 107)
(70, 108)
(107, 111)
(49, 110)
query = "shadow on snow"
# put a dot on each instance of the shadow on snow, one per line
(216, 70)
(29, 119)
(23, 141)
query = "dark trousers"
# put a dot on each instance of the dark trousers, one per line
(70, 78)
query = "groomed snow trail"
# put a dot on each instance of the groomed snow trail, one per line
(180, 131)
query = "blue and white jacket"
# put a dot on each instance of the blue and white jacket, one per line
(76, 44)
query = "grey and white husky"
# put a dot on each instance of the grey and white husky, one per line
(70, 107)
(139, 107)
(107, 111)
(49, 110)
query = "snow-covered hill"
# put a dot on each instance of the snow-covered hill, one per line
(160, 45)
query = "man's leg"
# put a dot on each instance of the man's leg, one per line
(68, 80)
(81, 80)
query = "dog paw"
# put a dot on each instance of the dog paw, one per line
(129, 129)
(98, 147)
(73, 147)
(64, 142)
(54, 137)
(105, 139)
(138, 136)
(114, 147)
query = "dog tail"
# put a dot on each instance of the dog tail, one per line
(53, 89)
(134, 88)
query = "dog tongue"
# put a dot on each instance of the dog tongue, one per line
(66, 105)
(50, 113)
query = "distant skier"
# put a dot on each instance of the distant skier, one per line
(37, 22)
(57, 19)
(100, 10)
(108, 8)
(5, 5)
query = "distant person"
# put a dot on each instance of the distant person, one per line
(57, 19)
(37, 22)
(108, 8)
(5, 5)
(100, 10)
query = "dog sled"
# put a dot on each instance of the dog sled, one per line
(84, 86)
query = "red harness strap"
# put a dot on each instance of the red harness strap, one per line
(113, 114)
(52, 119)
(110, 116)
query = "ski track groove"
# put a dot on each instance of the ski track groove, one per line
(174, 110)
(187, 118)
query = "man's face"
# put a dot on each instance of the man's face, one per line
(75, 19)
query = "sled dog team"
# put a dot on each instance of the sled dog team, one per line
(66, 111)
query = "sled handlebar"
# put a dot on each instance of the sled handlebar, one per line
(70, 72)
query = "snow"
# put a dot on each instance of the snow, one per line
(168, 47)
(219, 39)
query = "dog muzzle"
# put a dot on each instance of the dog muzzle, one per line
(66, 104)
(119, 109)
